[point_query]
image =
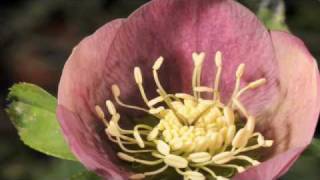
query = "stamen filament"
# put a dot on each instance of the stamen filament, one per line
(218, 62)
(129, 158)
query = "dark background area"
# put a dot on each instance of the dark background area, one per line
(36, 37)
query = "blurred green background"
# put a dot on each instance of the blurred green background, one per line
(36, 37)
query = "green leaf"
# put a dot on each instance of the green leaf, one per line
(272, 14)
(307, 166)
(32, 110)
(85, 175)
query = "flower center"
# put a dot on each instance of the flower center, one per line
(195, 136)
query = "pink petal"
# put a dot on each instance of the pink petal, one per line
(86, 143)
(177, 28)
(81, 87)
(293, 122)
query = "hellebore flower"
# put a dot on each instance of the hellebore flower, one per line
(216, 87)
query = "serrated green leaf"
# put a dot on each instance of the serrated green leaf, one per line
(33, 112)
(307, 166)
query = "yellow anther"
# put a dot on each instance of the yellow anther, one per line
(260, 140)
(137, 136)
(222, 158)
(241, 138)
(240, 71)
(138, 75)
(221, 178)
(137, 176)
(163, 147)
(99, 112)
(218, 59)
(155, 101)
(112, 129)
(268, 143)
(251, 122)
(176, 144)
(111, 109)
(194, 175)
(153, 134)
(115, 90)
(176, 161)
(198, 58)
(125, 157)
(257, 83)
(199, 157)
(158, 63)
(156, 110)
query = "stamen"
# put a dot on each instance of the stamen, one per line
(101, 115)
(138, 78)
(176, 161)
(112, 110)
(241, 108)
(155, 101)
(218, 62)
(252, 85)
(196, 76)
(163, 147)
(239, 73)
(151, 173)
(193, 135)
(129, 158)
(123, 148)
(116, 94)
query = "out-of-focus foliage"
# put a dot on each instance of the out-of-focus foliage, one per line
(33, 112)
(307, 166)
(270, 12)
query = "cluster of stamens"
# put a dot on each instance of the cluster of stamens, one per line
(193, 135)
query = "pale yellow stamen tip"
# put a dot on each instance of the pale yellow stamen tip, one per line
(250, 124)
(137, 176)
(99, 112)
(199, 157)
(176, 161)
(138, 75)
(241, 138)
(198, 58)
(115, 90)
(158, 63)
(218, 59)
(194, 175)
(163, 147)
(111, 109)
(257, 83)
(240, 70)
(125, 157)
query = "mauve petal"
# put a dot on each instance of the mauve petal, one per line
(82, 86)
(272, 168)
(176, 28)
(293, 123)
(87, 145)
